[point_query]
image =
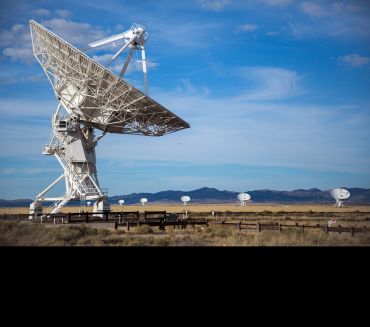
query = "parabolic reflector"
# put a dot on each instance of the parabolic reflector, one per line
(340, 194)
(97, 96)
(244, 197)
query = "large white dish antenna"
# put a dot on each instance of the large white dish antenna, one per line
(243, 197)
(185, 199)
(121, 202)
(91, 97)
(339, 194)
(143, 201)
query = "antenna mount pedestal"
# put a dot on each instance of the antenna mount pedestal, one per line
(73, 145)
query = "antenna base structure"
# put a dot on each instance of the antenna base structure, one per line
(338, 204)
(73, 144)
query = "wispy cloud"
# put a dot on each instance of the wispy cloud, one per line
(353, 61)
(28, 171)
(302, 30)
(271, 83)
(63, 13)
(191, 36)
(277, 2)
(215, 5)
(16, 108)
(313, 8)
(74, 32)
(21, 54)
(41, 12)
(233, 130)
(247, 28)
(331, 19)
(13, 79)
(17, 43)
(17, 40)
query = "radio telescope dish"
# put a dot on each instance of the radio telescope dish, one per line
(339, 194)
(185, 199)
(143, 201)
(88, 203)
(121, 202)
(90, 98)
(243, 198)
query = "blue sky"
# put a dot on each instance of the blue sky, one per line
(277, 93)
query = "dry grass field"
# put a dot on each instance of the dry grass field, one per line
(214, 207)
(18, 233)
(28, 234)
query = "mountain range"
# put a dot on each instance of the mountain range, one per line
(212, 195)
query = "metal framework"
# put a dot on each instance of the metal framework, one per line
(91, 97)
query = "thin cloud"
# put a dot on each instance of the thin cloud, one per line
(26, 108)
(273, 33)
(63, 13)
(277, 134)
(19, 54)
(14, 79)
(271, 83)
(16, 35)
(335, 20)
(190, 35)
(215, 5)
(313, 9)
(247, 28)
(41, 12)
(277, 2)
(17, 40)
(353, 61)
(73, 32)
(302, 30)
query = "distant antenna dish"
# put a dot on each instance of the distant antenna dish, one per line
(88, 203)
(121, 202)
(243, 198)
(143, 201)
(339, 194)
(91, 98)
(185, 199)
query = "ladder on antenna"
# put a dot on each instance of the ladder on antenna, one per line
(56, 141)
